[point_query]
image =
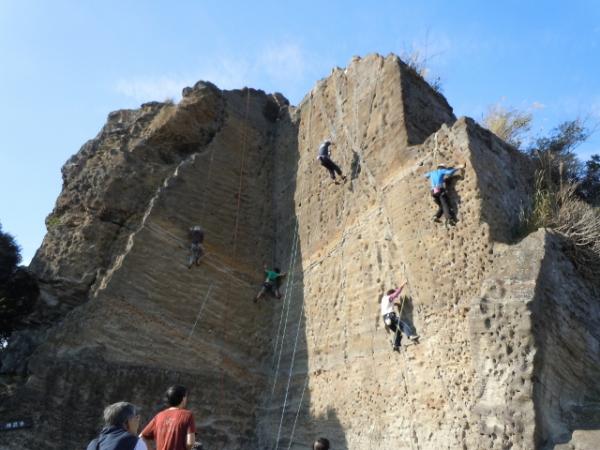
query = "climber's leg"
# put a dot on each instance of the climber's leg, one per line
(397, 337)
(276, 292)
(261, 293)
(408, 330)
(194, 255)
(445, 204)
(330, 166)
(440, 211)
(337, 169)
(395, 327)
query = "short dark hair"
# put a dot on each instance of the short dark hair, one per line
(276, 269)
(117, 414)
(321, 444)
(175, 395)
(391, 291)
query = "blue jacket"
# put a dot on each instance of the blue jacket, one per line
(113, 438)
(437, 177)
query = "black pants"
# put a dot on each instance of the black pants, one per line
(331, 166)
(398, 327)
(441, 200)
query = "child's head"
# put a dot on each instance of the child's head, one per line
(390, 291)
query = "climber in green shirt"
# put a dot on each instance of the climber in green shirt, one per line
(271, 283)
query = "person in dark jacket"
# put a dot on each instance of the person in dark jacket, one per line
(321, 444)
(121, 423)
(196, 250)
(324, 158)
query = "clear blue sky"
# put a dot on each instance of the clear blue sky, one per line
(66, 64)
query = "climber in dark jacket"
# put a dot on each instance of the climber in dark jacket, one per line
(438, 191)
(121, 423)
(196, 250)
(321, 444)
(324, 157)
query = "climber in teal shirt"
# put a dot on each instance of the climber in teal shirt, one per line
(438, 191)
(271, 283)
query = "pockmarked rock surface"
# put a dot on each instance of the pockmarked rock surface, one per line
(509, 351)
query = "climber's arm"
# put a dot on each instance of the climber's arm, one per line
(396, 293)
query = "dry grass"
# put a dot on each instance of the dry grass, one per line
(509, 125)
(162, 117)
(418, 63)
(563, 211)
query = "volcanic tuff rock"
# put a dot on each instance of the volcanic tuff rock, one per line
(508, 356)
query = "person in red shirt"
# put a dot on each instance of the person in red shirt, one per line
(174, 427)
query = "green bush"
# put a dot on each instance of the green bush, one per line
(561, 209)
(18, 288)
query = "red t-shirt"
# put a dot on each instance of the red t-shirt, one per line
(169, 429)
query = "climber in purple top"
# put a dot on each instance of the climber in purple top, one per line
(324, 158)
(438, 191)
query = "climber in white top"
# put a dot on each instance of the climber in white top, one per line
(391, 319)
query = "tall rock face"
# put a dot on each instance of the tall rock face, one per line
(508, 355)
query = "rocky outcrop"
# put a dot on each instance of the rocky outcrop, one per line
(508, 354)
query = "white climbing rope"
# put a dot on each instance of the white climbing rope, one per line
(285, 296)
(298, 411)
(287, 390)
(206, 297)
(290, 288)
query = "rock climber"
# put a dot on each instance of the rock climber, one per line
(391, 320)
(174, 427)
(121, 422)
(324, 157)
(438, 179)
(321, 444)
(271, 283)
(196, 250)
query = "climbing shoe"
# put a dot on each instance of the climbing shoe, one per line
(414, 337)
(436, 219)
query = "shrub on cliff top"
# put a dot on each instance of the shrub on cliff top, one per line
(509, 125)
(18, 289)
(561, 209)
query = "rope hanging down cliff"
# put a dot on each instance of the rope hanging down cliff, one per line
(239, 194)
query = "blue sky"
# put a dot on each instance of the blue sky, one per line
(64, 65)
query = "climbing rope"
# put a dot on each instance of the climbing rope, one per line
(201, 309)
(239, 194)
(287, 390)
(207, 184)
(285, 297)
(380, 197)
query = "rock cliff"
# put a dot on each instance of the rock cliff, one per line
(509, 348)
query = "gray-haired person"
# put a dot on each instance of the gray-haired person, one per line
(324, 157)
(196, 250)
(321, 444)
(121, 423)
